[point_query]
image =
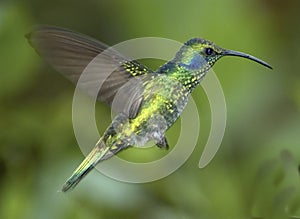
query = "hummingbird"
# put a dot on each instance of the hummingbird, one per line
(159, 101)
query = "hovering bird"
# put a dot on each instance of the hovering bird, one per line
(159, 101)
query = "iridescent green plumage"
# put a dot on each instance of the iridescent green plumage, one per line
(157, 101)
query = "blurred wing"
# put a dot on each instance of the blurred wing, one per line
(70, 53)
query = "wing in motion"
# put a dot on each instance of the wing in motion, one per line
(70, 53)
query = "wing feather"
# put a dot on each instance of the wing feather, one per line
(70, 53)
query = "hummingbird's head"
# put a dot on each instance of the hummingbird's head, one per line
(200, 55)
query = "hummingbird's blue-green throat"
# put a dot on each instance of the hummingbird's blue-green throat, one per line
(158, 102)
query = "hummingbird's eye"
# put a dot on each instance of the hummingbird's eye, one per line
(209, 51)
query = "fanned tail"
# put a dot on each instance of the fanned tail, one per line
(96, 155)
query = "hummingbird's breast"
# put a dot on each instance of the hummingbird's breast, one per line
(164, 101)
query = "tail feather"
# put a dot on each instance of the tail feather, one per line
(87, 165)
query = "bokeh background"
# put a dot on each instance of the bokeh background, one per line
(254, 174)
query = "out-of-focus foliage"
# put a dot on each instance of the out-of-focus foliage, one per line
(254, 174)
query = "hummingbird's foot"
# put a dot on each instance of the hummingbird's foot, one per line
(163, 143)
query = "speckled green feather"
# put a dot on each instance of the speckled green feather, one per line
(159, 97)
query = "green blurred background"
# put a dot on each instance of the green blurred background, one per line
(255, 172)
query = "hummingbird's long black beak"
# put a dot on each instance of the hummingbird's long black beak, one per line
(247, 56)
